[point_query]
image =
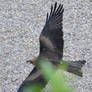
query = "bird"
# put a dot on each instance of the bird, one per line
(51, 48)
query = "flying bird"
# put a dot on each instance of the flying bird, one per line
(51, 48)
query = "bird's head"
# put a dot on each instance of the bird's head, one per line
(33, 61)
(37, 60)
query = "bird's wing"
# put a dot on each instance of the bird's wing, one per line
(52, 34)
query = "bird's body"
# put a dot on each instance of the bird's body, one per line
(51, 48)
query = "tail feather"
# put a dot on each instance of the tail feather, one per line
(75, 67)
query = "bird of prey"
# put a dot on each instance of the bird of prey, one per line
(51, 48)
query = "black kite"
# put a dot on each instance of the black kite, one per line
(51, 48)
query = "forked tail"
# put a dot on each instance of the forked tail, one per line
(75, 67)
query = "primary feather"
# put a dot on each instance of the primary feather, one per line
(51, 38)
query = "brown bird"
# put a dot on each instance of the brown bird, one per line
(51, 48)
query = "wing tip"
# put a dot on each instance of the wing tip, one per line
(57, 9)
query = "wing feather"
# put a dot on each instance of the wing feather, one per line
(52, 31)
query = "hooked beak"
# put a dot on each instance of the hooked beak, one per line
(33, 61)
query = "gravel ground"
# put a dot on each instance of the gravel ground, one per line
(21, 22)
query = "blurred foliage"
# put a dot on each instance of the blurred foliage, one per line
(34, 88)
(57, 79)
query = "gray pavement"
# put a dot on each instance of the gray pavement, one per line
(21, 22)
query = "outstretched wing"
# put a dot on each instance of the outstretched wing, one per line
(51, 37)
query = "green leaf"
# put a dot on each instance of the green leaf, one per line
(34, 88)
(57, 78)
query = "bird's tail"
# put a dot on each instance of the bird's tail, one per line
(75, 67)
